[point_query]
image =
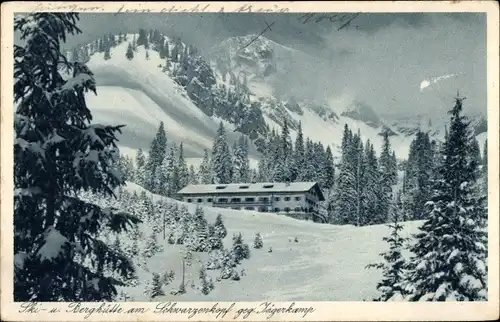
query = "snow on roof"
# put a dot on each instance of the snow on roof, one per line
(248, 187)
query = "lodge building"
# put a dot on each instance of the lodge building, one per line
(296, 197)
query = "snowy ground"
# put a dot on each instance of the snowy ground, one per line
(327, 262)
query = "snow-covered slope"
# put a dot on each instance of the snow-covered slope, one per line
(137, 93)
(327, 263)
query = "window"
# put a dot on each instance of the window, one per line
(222, 200)
(243, 187)
(250, 199)
(297, 198)
(263, 209)
(200, 200)
(249, 208)
(236, 208)
(297, 209)
(189, 200)
(287, 209)
(287, 198)
(276, 209)
(276, 198)
(267, 186)
(264, 199)
(235, 199)
(220, 187)
(209, 199)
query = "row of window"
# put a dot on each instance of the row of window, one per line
(236, 200)
(264, 209)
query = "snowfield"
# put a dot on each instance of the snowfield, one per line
(139, 94)
(326, 264)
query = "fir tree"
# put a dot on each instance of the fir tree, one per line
(130, 52)
(206, 285)
(134, 44)
(220, 229)
(418, 174)
(345, 201)
(450, 255)
(329, 169)
(299, 154)
(371, 187)
(221, 157)
(140, 163)
(193, 177)
(156, 289)
(142, 39)
(283, 172)
(157, 152)
(240, 250)
(258, 243)
(57, 154)
(391, 286)
(387, 179)
(241, 165)
(205, 173)
(200, 230)
(182, 168)
(168, 177)
(165, 48)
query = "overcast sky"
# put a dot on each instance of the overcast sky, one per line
(380, 59)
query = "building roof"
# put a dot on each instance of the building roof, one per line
(252, 188)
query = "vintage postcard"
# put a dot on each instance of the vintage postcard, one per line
(259, 161)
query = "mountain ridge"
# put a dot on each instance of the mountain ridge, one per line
(258, 109)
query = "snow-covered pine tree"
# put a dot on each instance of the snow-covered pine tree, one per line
(214, 240)
(391, 286)
(107, 54)
(58, 153)
(370, 183)
(221, 157)
(450, 252)
(241, 166)
(182, 169)
(165, 49)
(299, 154)
(205, 175)
(169, 174)
(387, 179)
(387, 161)
(258, 243)
(140, 163)
(142, 39)
(345, 201)
(130, 52)
(134, 43)
(285, 153)
(156, 289)
(308, 172)
(157, 152)
(418, 174)
(193, 177)
(220, 229)
(329, 170)
(200, 231)
(240, 250)
(206, 282)
(357, 146)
